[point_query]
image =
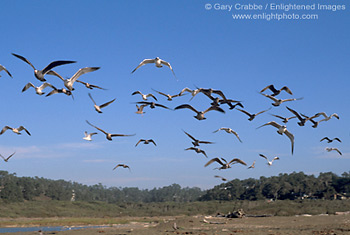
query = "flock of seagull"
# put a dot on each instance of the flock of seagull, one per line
(216, 98)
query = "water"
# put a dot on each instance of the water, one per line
(44, 229)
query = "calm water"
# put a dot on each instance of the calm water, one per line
(44, 229)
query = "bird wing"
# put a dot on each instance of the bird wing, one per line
(167, 64)
(45, 84)
(218, 130)
(83, 71)
(24, 59)
(237, 160)
(145, 61)
(275, 158)
(136, 92)
(152, 141)
(3, 68)
(272, 123)
(337, 139)
(29, 84)
(23, 128)
(160, 92)
(92, 98)
(337, 151)
(139, 142)
(160, 105)
(291, 137)
(151, 96)
(190, 136)
(285, 88)
(106, 104)
(202, 151)
(115, 135)
(252, 166)
(243, 111)
(55, 64)
(96, 127)
(295, 113)
(325, 138)
(335, 115)
(9, 157)
(271, 87)
(216, 108)
(51, 72)
(269, 96)
(214, 160)
(236, 134)
(183, 106)
(261, 155)
(262, 112)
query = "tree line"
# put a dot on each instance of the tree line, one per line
(284, 186)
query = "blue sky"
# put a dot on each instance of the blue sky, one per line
(207, 49)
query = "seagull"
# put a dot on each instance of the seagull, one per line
(252, 116)
(144, 96)
(88, 136)
(140, 109)
(200, 114)
(333, 149)
(157, 61)
(170, 97)
(57, 91)
(99, 107)
(220, 177)
(15, 130)
(330, 140)
(224, 164)
(6, 159)
(152, 105)
(252, 166)
(278, 102)
(197, 142)
(327, 118)
(269, 162)
(90, 86)
(146, 142)
(39, 74)
(198, 150)
(121, 165)
(208, 92)
(302, 120)
(68, 83)
(282, 129)
(39, 89)
(108, 135)
(3, 68)
(285, 119)
(193, 92)
(276, 92)
(230, 131)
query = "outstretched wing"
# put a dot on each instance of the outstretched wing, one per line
(214, 160)
(96, 127)
(3, 68)
(183, 106)
(146, 61)
(237, 160)
(55, 64)
(106, 104)
(24, 59)
(83, 71)
(23, 128)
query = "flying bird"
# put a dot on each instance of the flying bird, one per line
(230, 131)
(89, 135)
(6, 159)
(192, 92)
(15, 130)
(252, 166)
(152, 105)
(39, 89)
(3, 68)
(146, 142)
(197, 150)
(90, 86)
(282, 129)
(170, 97)
(196, 142)
(327, 118)
(301, 119)
(252, 116)
(108, 135)
(220, 177)
(330, 140)
(275, 91)
(39, 74)
(224, 164)
(200, 114)
(99, 107)
(68, 83)
(285, 119)
(140, 109)
(157, 61)
(121, 165)
(144, 96)
(333, 149)
(278, 102)
(208, 92)
(62, 91)
(269, 162)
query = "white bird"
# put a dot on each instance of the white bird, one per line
(15, 130)
(200, 114)
(157, 61)
(68, 83)
(146, 142)
(39, 74)
(327, 118)
(89, 135)
(6, 159)
(57, 91)
(108, 135)
(3, 68)
(282, 129)
(230, 131)
(140, 109)
(144, 96)
(224, 164)
(39, 89)
(278, 102)
(99, 107)
(252, 166)
(269, 162)
(333, 149)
